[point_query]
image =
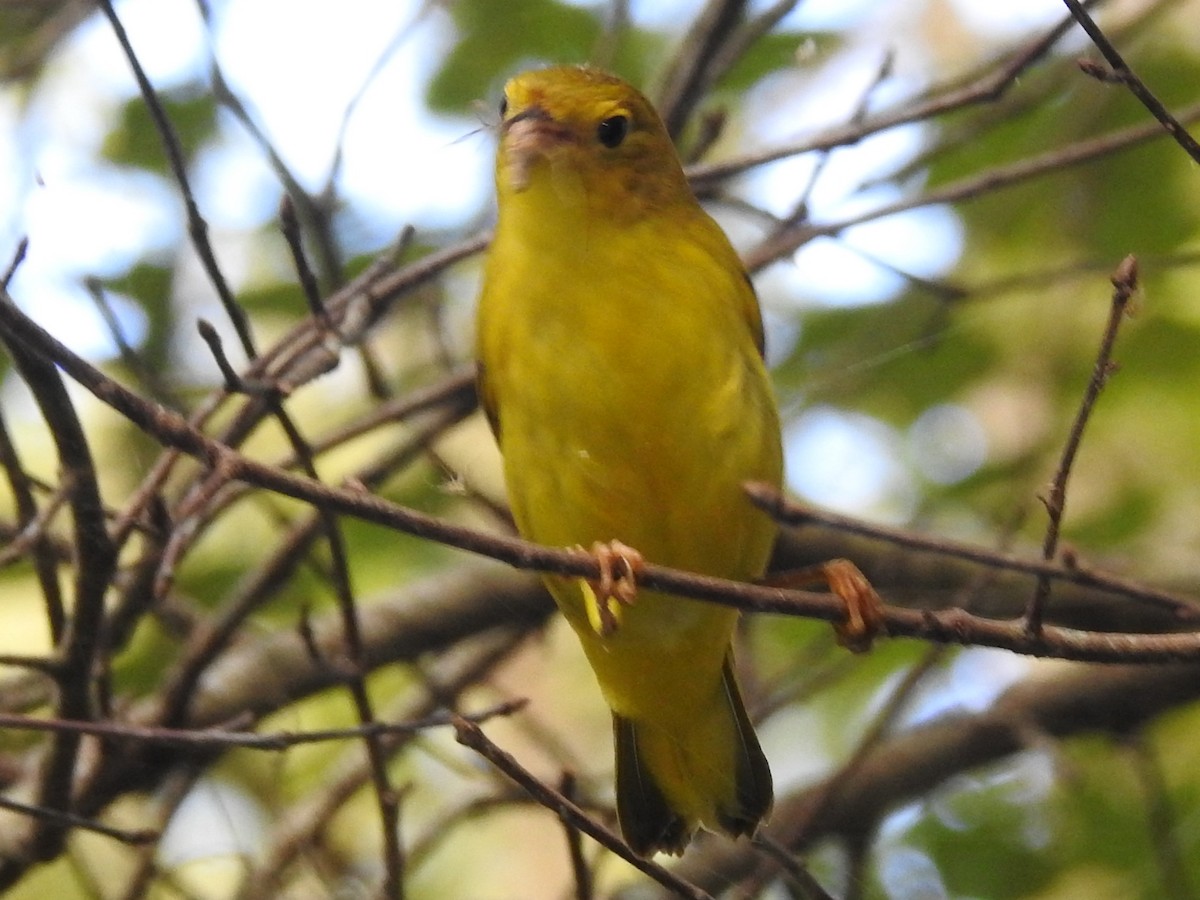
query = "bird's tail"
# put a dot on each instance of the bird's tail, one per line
(711, 772)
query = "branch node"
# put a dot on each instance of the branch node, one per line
(235, 383)
(1100, 72)
(1125, 277)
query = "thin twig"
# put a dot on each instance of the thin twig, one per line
(233, 381)
(990, 86)
(290, 226)
(315, 215)
(209, 739)
(743, 36)
(472, 736)
(788, 512)
(299, 829)
(616, 24)
(33, 535)
(1161, 820)
(1122, 74)
(18, 257)
(967, 188)
(689, 73)
(1124, 284)
(197, 226)
(805, 886)
(581, 873)
(166, 803)
(95, 564)
(41, 664)
(129, 356)
(65, 820)
(386, 796)
(455, 391)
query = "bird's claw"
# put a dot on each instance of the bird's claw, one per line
(864, 609)
(616, 587)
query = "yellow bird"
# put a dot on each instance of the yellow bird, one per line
(620, 346)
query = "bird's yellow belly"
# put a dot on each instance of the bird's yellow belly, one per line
(665, 479)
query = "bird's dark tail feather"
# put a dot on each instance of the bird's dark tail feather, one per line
(650, 824)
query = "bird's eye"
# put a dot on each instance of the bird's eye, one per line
(503, 106)
(612, 131)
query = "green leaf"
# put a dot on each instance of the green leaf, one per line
(494, 36)
(135, 140)
(498, 39)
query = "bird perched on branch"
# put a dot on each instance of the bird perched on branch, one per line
(621, 368)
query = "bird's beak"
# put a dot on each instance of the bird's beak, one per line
(527, 137)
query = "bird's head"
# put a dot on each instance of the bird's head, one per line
(580, 126)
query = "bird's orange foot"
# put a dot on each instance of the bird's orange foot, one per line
(864, 609)
(615, 588)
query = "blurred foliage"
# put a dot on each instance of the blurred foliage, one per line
(135, 141)
(1010, 335)
(774, 52)
(31, 29)
(497, 39)
(984, 835)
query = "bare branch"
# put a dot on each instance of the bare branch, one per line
(78, 638)
(33, 537)
(1124, 283)
(64, 820)
(989, 86)
(471, 735)
(1122, 74)
(197, 226)
(1180, 610)
(967, 188)
(231, 737)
